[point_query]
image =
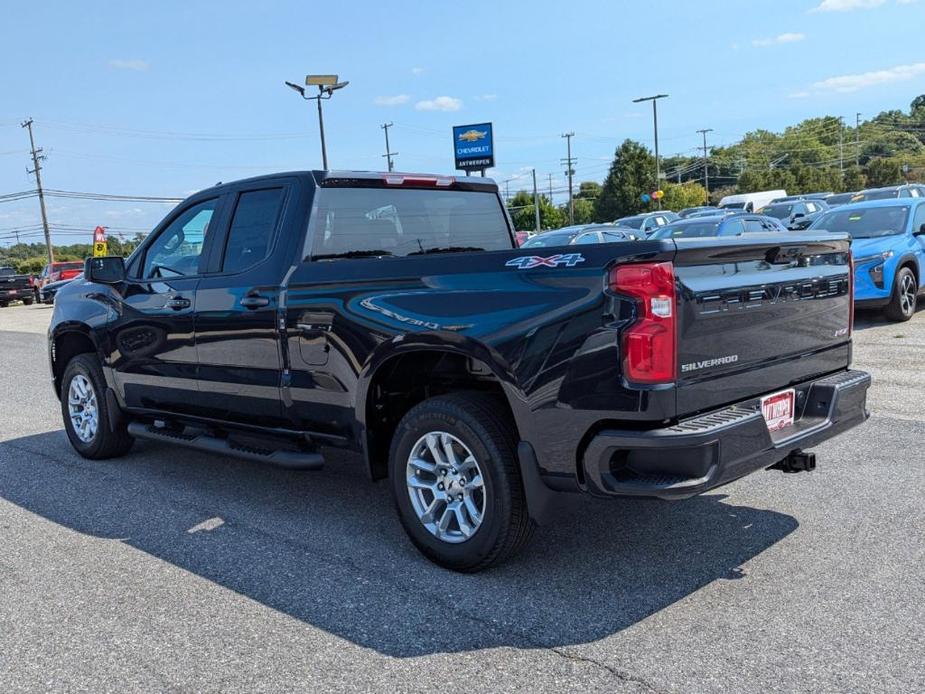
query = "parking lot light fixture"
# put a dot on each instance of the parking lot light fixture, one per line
(327, 85)
(654, 100)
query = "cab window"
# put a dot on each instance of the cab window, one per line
(176, 250)
(252, 226)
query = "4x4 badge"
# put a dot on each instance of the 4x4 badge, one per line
(526, 262)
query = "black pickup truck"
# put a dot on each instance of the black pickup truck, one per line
(392, 314)
(15, 287)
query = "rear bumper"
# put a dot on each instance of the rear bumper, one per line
(16, 294)
(710, 450)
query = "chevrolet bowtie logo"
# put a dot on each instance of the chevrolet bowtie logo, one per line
(472, 135)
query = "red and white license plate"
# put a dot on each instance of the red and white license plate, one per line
(778, 409)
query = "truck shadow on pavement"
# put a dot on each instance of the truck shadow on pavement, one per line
(326, 547)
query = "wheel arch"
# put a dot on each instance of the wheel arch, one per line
(66, 342)
(403, 374)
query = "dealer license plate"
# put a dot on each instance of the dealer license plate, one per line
(778, 409)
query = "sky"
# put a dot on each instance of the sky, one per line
(166, 98)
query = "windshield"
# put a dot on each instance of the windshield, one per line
(631, 222)
(840, 199)
(548, 239)
(866, 223)
(687, 231)
(779, 211)
(367, 222)
(6, 271)
(733, 206)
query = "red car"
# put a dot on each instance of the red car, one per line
(65, 270)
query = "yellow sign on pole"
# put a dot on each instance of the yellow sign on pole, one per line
(99, 249)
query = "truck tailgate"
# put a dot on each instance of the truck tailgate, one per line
(758, 314)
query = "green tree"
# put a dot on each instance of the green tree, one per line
(584, 211)
(883, 172)
(588, 190)
(677, 197)
(631, 174)
(524, 217)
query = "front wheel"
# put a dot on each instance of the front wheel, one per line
(86, 418)
(456, 482)
(905, 292)
(27, 302)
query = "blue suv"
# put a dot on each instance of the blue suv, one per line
(888, 244)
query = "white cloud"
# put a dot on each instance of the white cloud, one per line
(129, 64)
(850, 5)
(798, 95)
(440, 103)
(396, 100)
(417, 71)
(852, 83)
(779, 39)
(486, 97)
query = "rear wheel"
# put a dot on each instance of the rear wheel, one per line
(86, 417)
(456, 482)
(903, 301)
(27, 302)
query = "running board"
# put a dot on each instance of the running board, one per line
(212, 444)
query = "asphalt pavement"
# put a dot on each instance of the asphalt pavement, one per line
(172, 570)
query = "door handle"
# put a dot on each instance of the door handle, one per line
(177, 303)
(255, 301)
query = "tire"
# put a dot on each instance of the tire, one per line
(903, 300)
(27, 302)
(474, 425)
(3, 304)
(104, 441)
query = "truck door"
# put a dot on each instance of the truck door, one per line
(154, 352)
(237, 337)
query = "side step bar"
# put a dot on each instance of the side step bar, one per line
(212, 444)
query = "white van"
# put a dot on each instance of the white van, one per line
(751, 202)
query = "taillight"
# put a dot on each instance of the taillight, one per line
(650, 343)
(850, 293)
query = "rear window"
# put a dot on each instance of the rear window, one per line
(779, 211)
(687, 231)
(876, 195)
(548, 239)
(73, 265)
(733, 206)
(631, 222)
(358, 222)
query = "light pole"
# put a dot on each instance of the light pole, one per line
(326, 84)
(654, 99)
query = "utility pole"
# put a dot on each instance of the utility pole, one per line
(857, 139)
(507, 191)
(37, 156)
(536, 203)
(549, 176)
(841, 144)
(388, 152)
(569, 162)
(706, 163)
(654, 100)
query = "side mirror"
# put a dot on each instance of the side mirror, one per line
(920, 232)
(798, 215)
(107, 270)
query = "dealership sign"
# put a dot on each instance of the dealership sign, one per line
(474, 147)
